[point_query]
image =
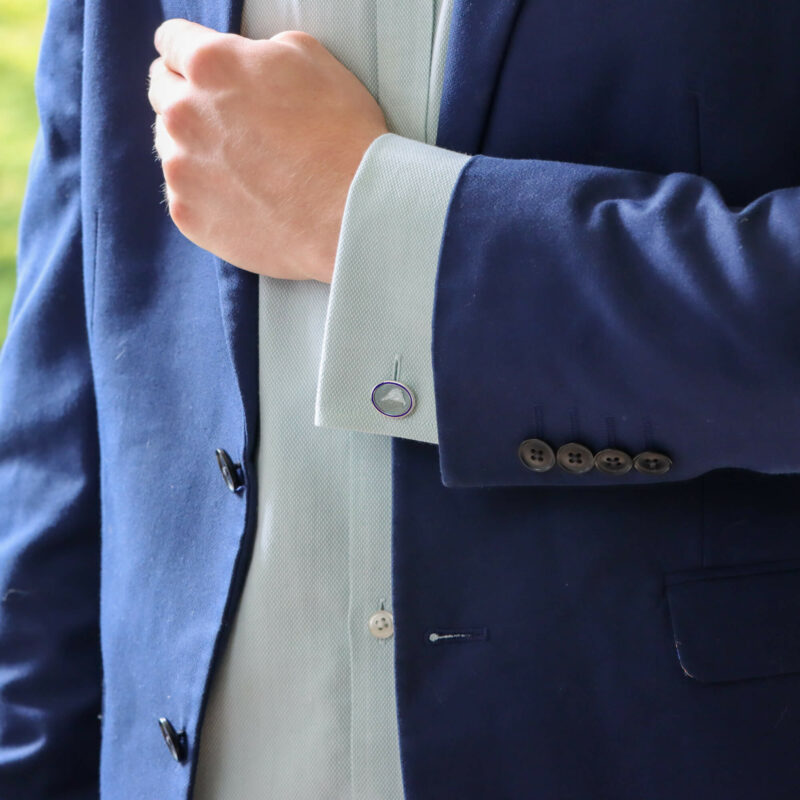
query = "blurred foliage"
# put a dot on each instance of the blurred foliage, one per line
(21, 25)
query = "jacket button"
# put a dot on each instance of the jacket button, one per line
(651, 463)
(613, 462)
(536, 455)
(175, 741)
(230, 471)
(575, 458)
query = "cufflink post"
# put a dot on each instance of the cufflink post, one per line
(392, 398)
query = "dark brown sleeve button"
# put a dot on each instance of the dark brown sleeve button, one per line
(575, 458)
(613, 462)
(175, 741)
(651, 463)
(536, 455)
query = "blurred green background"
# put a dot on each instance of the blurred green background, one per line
(21, 24)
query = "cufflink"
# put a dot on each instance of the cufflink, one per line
(392, 398)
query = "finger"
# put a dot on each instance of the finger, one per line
(164, 85)
(163, 144)
(177, 39)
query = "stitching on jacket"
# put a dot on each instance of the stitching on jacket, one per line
(457, 635)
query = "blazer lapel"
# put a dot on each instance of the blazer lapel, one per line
(479, 33)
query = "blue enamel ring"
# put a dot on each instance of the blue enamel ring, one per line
(393, 399)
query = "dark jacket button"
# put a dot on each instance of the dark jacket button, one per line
(536, 455)
(613, 462)
(230, 471)
(176, 741)
(575, 458)
(651, 463)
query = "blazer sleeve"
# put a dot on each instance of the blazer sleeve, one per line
(615, 309)
(50, 668)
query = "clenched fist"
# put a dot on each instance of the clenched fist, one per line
(259, 140)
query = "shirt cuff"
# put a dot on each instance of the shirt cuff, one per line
(380, 305)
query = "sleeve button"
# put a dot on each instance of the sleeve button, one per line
(613, 462)
(651, 463)
(536, 455)
(575, 458)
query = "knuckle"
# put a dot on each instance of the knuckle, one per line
(180, 213)
(208, 58)
(200, 61)
(152, 82)
(155, 65)
(296, 38)
(161, 139)
(176, 116)
(176, 168)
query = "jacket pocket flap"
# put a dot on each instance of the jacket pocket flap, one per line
(733, 623)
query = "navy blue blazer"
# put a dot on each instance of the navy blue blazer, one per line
(620, 267)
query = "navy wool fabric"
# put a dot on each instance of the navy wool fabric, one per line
(618, 266)
(50, 673)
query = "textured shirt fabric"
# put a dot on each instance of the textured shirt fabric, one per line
(302, 704)
(381, 300)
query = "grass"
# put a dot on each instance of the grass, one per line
(21, 24)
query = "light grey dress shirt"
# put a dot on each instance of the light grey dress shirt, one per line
(302, 705)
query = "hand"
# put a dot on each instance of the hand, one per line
(259, 140)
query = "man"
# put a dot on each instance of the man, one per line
(595, 569)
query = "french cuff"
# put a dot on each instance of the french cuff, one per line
(376, 372)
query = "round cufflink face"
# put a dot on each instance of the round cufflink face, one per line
(393, 399)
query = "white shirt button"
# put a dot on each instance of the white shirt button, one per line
(381, 624)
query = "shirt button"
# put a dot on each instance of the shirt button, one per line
(381, 624)
(392, 399)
